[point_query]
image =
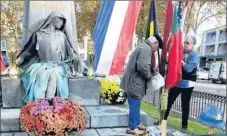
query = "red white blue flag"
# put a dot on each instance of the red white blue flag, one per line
(113, 35)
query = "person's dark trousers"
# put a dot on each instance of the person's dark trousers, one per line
(185, 102)
(134, 112)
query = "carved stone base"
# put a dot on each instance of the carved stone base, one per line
(101, 116)
(82, 90)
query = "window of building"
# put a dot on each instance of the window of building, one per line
(222, 36)
(222, 49)
(3, 45)
(211, 37)
(210, 50)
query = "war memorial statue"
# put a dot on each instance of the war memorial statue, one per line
(48, 59)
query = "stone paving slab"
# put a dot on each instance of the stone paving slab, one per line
(6, 134)
(82, 90)
(89, 132)
(87, 118)
(151, 121)
(111, 116)
(153, 131)
(112, 132)
(10, 120)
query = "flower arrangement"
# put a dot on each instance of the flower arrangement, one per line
(110, 91)
(52, 116)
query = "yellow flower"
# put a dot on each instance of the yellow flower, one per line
(108, 88)
(115, 89)
(107, 101)
(118, 99)
(218, 117)
(104, 84)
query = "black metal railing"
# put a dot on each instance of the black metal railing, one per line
(199, 101)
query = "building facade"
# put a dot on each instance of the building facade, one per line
(213, 46)
(3, 46)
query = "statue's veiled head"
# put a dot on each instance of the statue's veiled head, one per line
(56, 18)
(58, 22)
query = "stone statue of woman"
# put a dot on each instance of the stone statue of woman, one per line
(48, 59)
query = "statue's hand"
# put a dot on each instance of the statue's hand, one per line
(5, 72)
(11, 71)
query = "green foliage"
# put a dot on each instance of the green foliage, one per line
(86, 15)
(141, 26)
(10, 18)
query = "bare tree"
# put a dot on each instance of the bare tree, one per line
(201, 11)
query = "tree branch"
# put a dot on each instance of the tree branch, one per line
(196, 24)
(208, 10)
(210, 17)
(188, 26)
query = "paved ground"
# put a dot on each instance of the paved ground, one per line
(209, 87)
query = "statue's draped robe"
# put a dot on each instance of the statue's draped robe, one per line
(45, 53)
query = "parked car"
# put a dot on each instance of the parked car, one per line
(202, 74)
(206, 68)
(218, 72)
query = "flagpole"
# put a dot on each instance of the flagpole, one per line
(168, 83)
(151, 30)
(163, 92)
(164, 95)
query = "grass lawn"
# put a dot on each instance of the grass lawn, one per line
(174, 121)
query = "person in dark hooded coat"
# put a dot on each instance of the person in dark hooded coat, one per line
(48, 59)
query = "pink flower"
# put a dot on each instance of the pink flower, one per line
(55, 116)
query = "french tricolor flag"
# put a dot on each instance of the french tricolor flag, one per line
(113, 35)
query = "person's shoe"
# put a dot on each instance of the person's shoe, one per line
(134, 131)
(156, 123)
(141, 127)
(184, 128)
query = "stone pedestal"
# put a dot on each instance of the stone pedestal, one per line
(82, 90)
(102, 116)
(101, 119)
(12, 92)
